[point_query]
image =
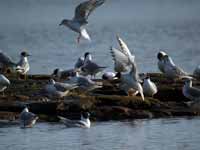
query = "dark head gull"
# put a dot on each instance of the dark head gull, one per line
(63, 74)
(79, 63)
(160, 57)
(23, 64)
(90, 67)
(172, 71)
(82, 12)
(84, 122)
(58, 89)
(27, 119)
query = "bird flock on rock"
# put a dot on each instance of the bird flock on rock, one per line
(85, 70)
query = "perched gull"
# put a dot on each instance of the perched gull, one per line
(63, 74)
(23, 65)
(84, 83)
(130, 81)
(82, 13)
(172, 71)
(6, 62)
(84, 122)
(190, 92)
(149, 88)
(27, 119)
(122, 57)
(161, 64)
(196, 72)
(79, 63)
(58, 89)
(90, 67)
(4, 82)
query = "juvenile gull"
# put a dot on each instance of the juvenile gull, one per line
(90, 67)
(27, 119)
(149, 87)
(23, 65)
(4, 82)
(84, 122)
(58, 89)
(82, 12)
(191, 92)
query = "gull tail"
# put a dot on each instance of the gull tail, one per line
(85, 35)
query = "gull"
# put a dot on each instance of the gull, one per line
(23, 64)
(84, 122)
(149, 87)
(191, 92)
(63, 74)
(161, 64)
(109, 76)
(4, 82)
(6, 61)
(172, 71)
(58, 89)
(79, 63)
(82, 12)
(122, 57)
(89, 67)
(196, 72)
(83, 82)
(27, 119)
(130, 81)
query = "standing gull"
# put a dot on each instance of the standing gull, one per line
(23, 64)
(89, 67)
(172, 71)
(79, 63)
(58, 89)
(84, 122)
(191, 92)
(4, 82)
(161, 64)
(27, 119)
(149, 87)
(82, 12)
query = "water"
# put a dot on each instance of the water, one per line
(146, 26)
(155, 134)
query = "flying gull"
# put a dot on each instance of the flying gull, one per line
(82, 12)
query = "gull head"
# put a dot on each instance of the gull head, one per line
(160, 55)
(85, 115)
(25, 54)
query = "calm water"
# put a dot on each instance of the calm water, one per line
(147, 26)
(156, 134)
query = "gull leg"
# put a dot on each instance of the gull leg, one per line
(78, 38)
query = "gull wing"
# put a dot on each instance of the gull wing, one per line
(83, 10)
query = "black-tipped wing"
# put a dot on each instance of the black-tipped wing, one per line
(84, 9)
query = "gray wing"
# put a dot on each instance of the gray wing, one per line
(64, 86)
(84, 9)
(92, 67)
(6, 60)
(79, 63)
(68, 73)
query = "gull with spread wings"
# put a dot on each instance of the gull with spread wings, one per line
(82, 12)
